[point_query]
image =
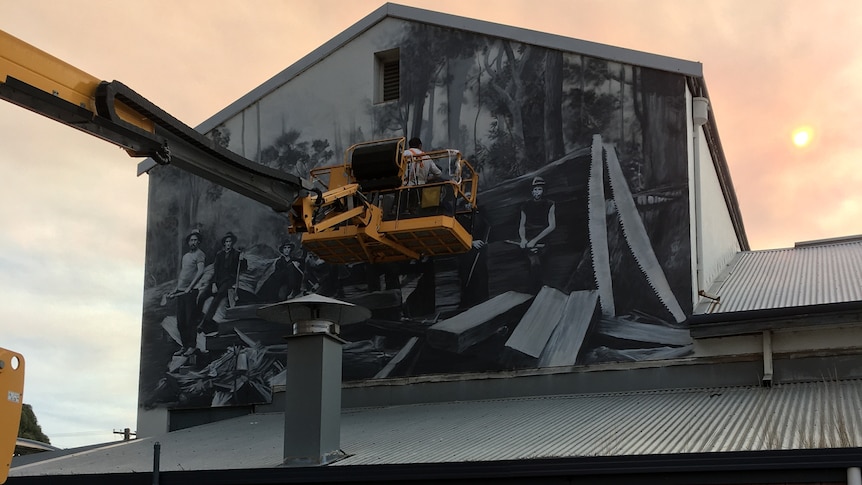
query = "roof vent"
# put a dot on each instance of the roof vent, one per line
(388, 76)
(312, 415)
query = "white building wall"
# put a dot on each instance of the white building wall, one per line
(714, 241)
(334, 95)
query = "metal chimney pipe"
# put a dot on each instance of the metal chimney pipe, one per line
(312, 414)
(312, 419)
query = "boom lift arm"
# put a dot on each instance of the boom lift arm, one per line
(348, 223)
(115, 113)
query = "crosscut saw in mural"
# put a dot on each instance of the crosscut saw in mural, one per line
(604, 156)
(346, 213)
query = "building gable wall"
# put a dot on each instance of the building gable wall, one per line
(609, 139)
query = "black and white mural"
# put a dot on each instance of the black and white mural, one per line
(581, 248)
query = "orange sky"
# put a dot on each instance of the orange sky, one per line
(74, 213)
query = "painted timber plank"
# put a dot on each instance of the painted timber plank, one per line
(607, 354)
(622, 328)
(169, 324)
(536, 326)
(474, 325)
(399, 357)
(565, 343)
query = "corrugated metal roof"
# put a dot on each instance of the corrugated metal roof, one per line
(789, 416)
(809, 274)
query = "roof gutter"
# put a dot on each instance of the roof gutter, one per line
(775, 466)
(756, 321)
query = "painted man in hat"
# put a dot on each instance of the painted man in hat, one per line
(285, 276)
(191, 269)
(229, 262)
(538, 220)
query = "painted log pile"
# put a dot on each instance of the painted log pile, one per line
(472, 326)
(555, 326)
(567, 340)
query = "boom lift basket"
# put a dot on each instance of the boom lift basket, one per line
(401, 222)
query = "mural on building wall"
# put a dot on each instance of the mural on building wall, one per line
(581, 248)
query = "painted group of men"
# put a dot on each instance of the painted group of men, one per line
(227, 265)
(288, 277)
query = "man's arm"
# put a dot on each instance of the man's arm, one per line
(434, 170)
(177, 290)
(198, 274)
(218, 265)
(480, 230)
(522, 229)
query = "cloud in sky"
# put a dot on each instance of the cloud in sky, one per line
(73, 213)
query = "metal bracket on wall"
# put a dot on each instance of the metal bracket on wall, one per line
(767, 359)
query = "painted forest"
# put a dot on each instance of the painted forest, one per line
(613, 277)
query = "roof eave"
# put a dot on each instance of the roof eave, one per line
(756, 321)
(816, 465)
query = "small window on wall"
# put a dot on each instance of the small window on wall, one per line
(387, 76)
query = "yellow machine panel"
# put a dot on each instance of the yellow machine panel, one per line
(11, 402)
(433, 236)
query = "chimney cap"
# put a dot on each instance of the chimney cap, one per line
(314, 307)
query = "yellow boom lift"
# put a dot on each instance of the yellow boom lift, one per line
(358, 211)
(11, 403)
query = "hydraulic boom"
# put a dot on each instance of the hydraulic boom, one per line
(364, 216)
(115, 113)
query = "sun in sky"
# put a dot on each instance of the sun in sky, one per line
(802, 136)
